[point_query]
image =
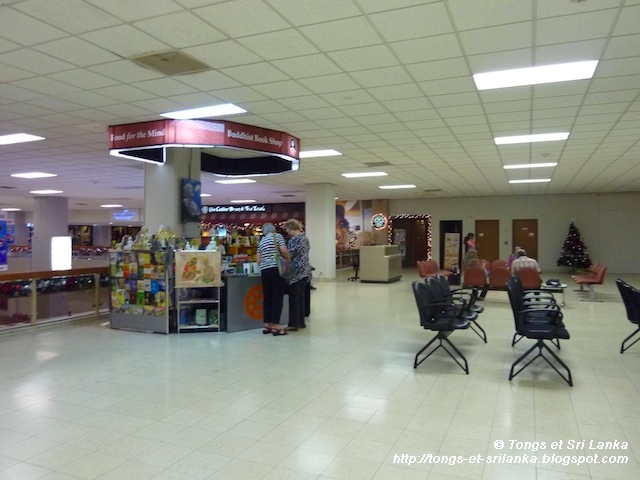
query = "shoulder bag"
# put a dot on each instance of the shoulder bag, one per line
(283, 263)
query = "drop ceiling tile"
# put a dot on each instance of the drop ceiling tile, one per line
(364, 58)
(12, 74)
(471, 14)
(330, 83)
(381, 76)
(439, 69)
(491, 39)
(25, 30)
(573, 28)
(255, 74)
(308, 102)
(85, 17)
(276, 90)
(35, 62)
(238, 95)
(307, 66)
(278, 45)
(181, 30)
(205, 80)
(125, 41)
(427, 49)
(629, 20)
(395, 92)
(125, 93)
(83, 79)
(412, 22)
(306, 12)
(125, 69)
(243, 18)
(342, 34)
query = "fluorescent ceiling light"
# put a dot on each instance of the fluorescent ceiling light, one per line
(233, 181)
(10, 209)
(390, 187)
(18, 138)
(364, 174)
(205, 194)
(45, 192)
(561, 72)
(243, 201)
(33, 175)
(111, 205)
(319, 153)
(203, 112)
(540, 137)
(532, 180)
(530, 165)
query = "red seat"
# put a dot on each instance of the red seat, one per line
(498, 263)
(474, 277)
(498, 277)
(529, 277)
(429, 268)
(591, 279)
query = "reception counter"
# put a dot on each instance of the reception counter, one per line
(380, 264)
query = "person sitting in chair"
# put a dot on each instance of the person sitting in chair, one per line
(522, 261)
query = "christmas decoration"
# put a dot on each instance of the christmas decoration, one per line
(574, 252)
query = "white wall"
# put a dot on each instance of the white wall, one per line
(609, 223)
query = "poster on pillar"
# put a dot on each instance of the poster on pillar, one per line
(4, 245)
(191, 200)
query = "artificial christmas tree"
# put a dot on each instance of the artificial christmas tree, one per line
(574, 252)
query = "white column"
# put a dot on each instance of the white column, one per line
(21, 236)
(50, 218)
(163, 191)
(320, 225)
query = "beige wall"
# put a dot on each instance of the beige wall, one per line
(609, 223)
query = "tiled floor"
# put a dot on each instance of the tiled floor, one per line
(339, 400)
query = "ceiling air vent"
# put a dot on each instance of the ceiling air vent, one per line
(170, 63)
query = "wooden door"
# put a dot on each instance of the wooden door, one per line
(525, 235)
(415, 234)
(488, 239)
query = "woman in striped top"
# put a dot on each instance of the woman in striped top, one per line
(273, 285)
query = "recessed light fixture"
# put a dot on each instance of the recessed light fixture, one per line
(18, 138)
(33, 175)
(10, 209)
(243, 201)
(111, 205)
(364, 174)
(204, 112)
(205, 194)
(45, 192)
(319, 153)
(530, 165)
(233, 181)
(391, 187)
(540, 137)
(532, 180)
(560, 72)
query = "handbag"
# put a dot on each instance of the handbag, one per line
(283, 263)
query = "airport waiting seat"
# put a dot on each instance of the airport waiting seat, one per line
(539, 324)
(442, 318)
(631, 298)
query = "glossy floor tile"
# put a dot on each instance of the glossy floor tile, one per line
(339, 400)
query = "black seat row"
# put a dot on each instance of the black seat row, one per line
(444, 311)
(631, 298)
(538, 317)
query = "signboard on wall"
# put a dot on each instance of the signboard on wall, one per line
(451, 249)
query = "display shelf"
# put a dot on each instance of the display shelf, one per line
(198, 308)
(141, 290)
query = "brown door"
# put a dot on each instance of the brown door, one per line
(525, 235)
(415, 234)
(488, 239)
